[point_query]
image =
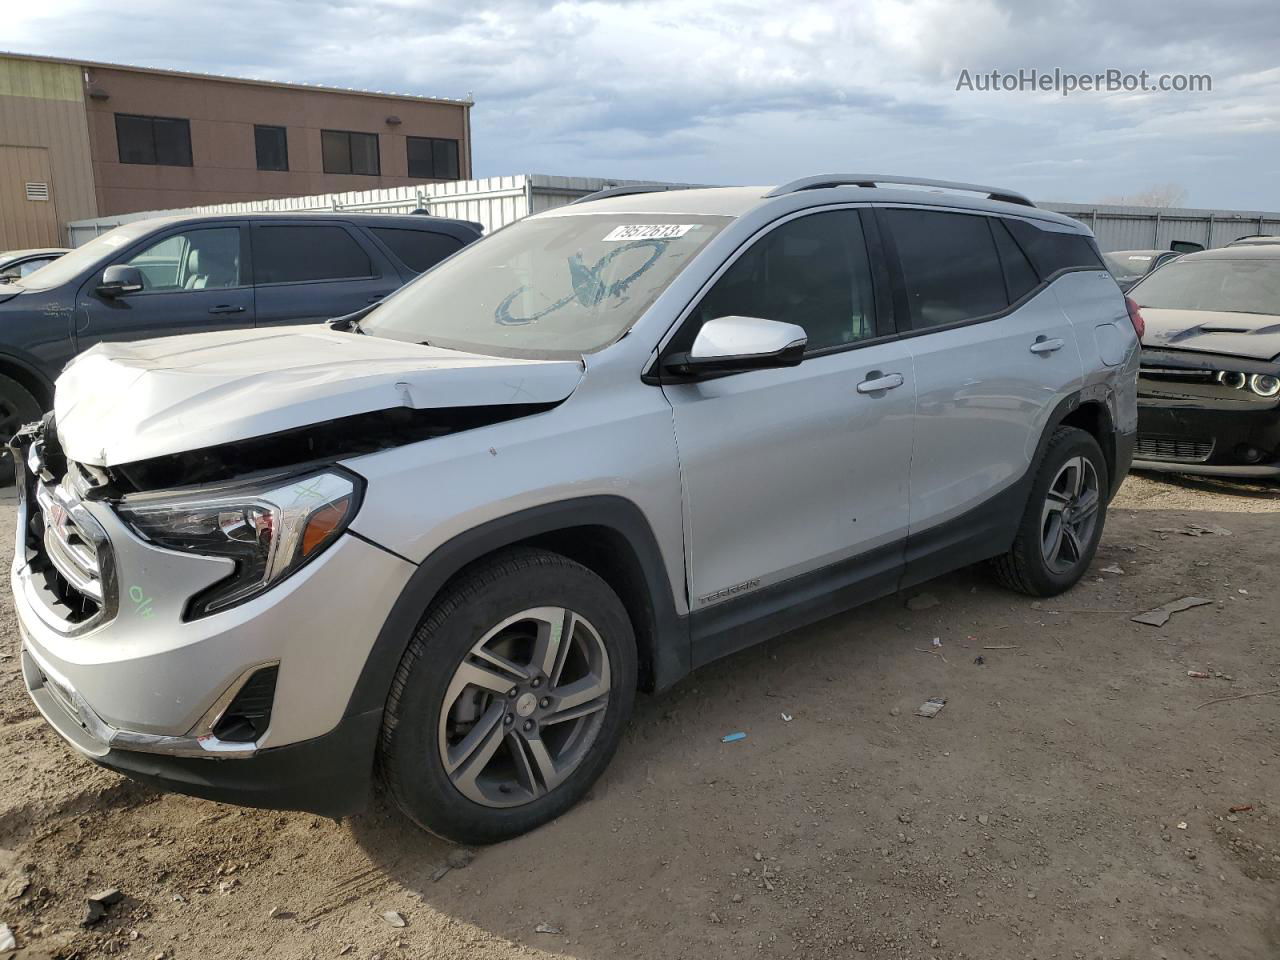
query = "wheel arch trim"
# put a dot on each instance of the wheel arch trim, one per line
(669, 632)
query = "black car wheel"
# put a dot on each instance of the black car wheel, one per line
(1063, 519)
(511, 698)
(17, 408)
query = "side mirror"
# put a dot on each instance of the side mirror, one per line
(738, 344)
(118, 280)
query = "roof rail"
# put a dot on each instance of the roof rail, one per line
(634, 188)
(872, 179)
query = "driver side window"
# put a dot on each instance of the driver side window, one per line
(194, 260)
(812, 271)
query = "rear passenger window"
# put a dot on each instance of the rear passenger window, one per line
(418, 250)
(1018, 275)
(292, 254)
(949, 264)
(811, 271)
(1052, 251)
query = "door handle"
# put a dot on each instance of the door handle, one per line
(226, 308)
(1043, 345)
(877, 381)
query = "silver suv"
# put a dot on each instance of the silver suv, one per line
(446, 542)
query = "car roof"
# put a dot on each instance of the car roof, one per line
(738, 201)
(409, 221)
(1251, 251)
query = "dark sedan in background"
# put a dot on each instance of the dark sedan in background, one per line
(1209, 388)
(1130, 266)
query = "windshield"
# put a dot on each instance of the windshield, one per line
(71, 265)
(1124, 263)
(1230, 286)
(553, 287)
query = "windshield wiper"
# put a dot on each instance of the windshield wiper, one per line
(350, 322)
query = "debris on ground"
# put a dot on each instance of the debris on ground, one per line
(439, 874)
(979, 660)
(275, 913)
(983, 819)
(460, 858)
(1114, 568)
(1195, 530)
(1182, 824)
(1240, 808)
(1198, 675)
(1002, 646)
(937, 641)
(1242, 696)
(95, 905)
(931, 707)
(394, 918)
(786, 717)
(922, 601)
(7, 939)
(733, 737)
(545, 927)
(1160, 615)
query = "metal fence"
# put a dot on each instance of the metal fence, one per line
(1154, 228)
(497, 201)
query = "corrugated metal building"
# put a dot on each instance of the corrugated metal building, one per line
(44, 140)
(498, 201)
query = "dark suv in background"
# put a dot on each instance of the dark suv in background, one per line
(176, 275)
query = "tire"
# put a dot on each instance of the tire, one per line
(1051, 555)
(17, 408)
(503, 792)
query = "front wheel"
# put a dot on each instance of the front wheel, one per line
(511, 698)
(17, 408)
(1063, 520)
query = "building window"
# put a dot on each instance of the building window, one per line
(347, 152)
(153, 140)
(432, 158)
(272, 146)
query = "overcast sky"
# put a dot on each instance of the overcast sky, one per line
(740, 91)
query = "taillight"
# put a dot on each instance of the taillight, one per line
(1135, 317)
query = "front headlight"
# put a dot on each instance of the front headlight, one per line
(269, 529)
(1265, 385)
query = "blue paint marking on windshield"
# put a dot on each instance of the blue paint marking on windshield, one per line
(589, 289)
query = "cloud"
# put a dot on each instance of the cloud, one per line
(747, 91)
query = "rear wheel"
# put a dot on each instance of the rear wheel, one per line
(511, 698)
(1063, 520)
(17, 408)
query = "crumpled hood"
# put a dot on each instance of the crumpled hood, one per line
(1235, 334)
(120, 403)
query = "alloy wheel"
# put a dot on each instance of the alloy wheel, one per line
(524, 707)
(1070, 514)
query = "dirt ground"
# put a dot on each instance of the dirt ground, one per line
(1072, 800)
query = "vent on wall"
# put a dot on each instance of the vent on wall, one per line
(37, 191)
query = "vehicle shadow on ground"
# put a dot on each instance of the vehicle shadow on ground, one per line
(688, 846)
(629, 854)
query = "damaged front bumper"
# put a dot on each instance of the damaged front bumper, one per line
(1190, 422)
(118, 670)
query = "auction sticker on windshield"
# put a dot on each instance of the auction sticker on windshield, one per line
(649, 231)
